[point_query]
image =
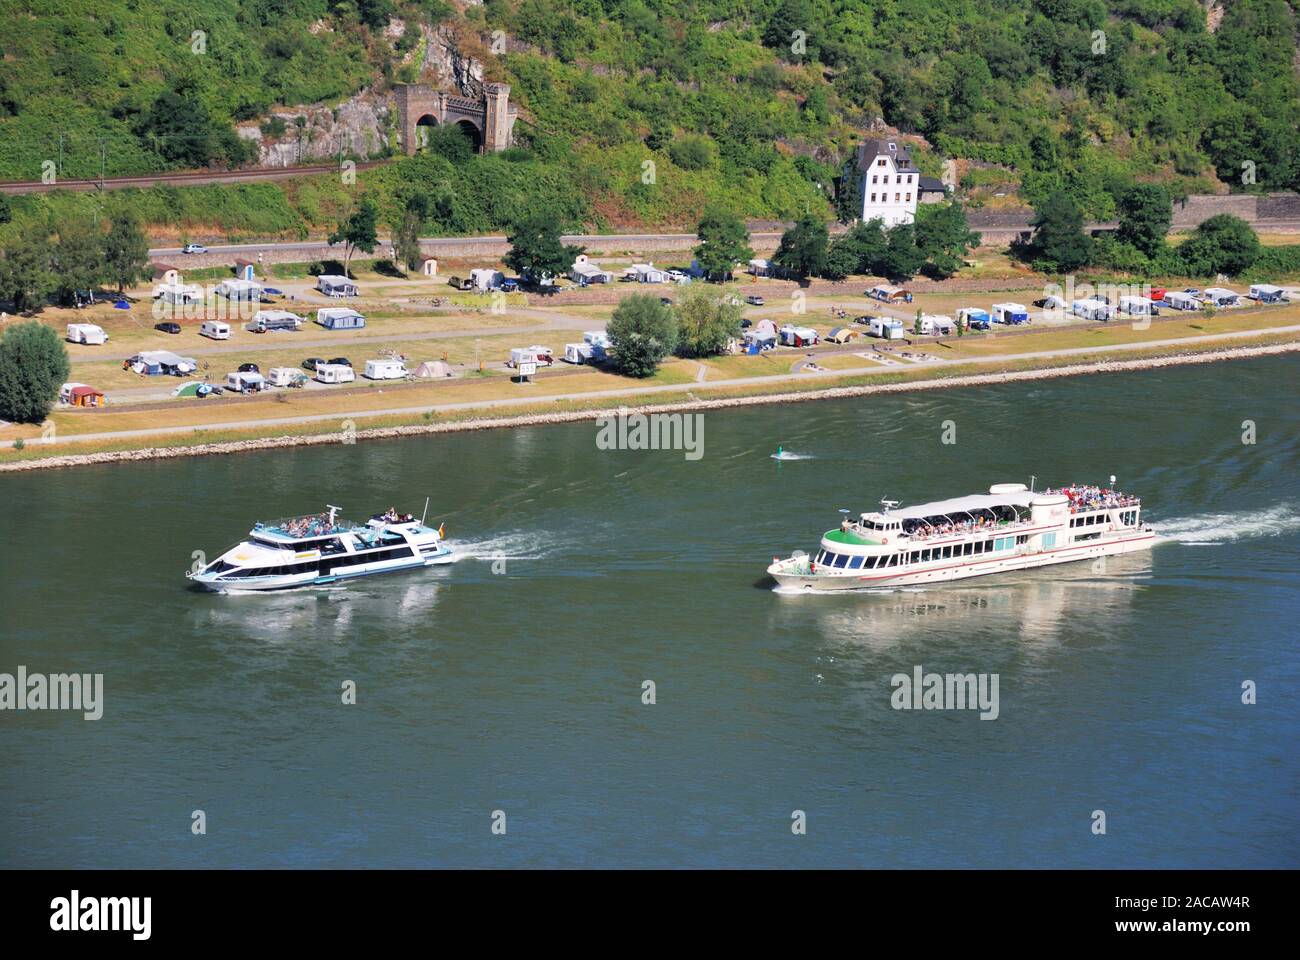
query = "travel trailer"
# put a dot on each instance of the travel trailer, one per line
(385, 370)
(334, 373)
(333, 285)
(87, 333)
(577, 353)
(792, 336)
(886, 328)
(1138, 306)
(1090, 309)
(1014, 313)
(246, 382)
(937, 325)
(215, 329)
(340, 318)
(1267, 293)
(1182, 301)
(284, 377)
(265, 320)
(974, 318)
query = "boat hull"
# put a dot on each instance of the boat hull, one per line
(218, 584)
(791, 574)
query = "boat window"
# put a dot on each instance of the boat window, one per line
(1087, 536)
(967, 549)
(856, 563)
(841, 559)
(947, 552)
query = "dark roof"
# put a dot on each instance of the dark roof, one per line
(927, 184)
(871, 149)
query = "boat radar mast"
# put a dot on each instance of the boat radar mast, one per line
(334, 512)
(889, 505)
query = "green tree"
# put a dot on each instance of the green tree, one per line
(126, 252)
(1145, 213)
(78, 259)
(865, 244)
(1221, 244)
(536, 250)
(706, 319)
(359, 231)
(642, 332)
(407, 228)
(692, 152)
(793, 31)
(902, 258)
(944, 238)
(1058, 233)
(802, 251)
(33, 365)
(25, 276)
(848, 191)
(724, 242)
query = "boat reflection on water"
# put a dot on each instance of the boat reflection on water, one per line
(318, 613)
(1030, 607)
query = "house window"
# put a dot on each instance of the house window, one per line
(909, 198)
(896, 198)
(873, 198)
(875, 179)
(880, 162)
(909, 178)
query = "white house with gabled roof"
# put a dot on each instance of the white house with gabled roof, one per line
(890, 182)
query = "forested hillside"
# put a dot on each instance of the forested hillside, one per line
(754, 104)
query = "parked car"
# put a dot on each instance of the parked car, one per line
(342, 361)
(167, 327)
(754, 300)
(249, 368)
(194, 248)
(510, 286)
(311, 363)
(746, 323)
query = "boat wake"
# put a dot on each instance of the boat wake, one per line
(516, 545)
(1213, 529)
(787, 455)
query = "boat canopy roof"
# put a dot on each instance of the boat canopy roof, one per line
(961, 505)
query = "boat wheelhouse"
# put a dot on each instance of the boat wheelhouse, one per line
(323, 548)
(1010, 528)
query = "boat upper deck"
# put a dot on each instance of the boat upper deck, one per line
(310, 527)
(1005, 507)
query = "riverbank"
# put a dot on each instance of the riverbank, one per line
(691, 403)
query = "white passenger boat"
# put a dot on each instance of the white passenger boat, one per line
(322, 548)
(1010, 528)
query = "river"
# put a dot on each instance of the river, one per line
(509, 686)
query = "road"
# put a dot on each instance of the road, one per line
(649, 389)
(451, 246)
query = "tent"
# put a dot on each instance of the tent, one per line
(842, 335)
(433, 368)
(195, 388)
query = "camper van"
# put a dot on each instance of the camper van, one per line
(334, 373)
(385, 370)
(886, 327)
(265, 320)
(214, 329)
(1014, 313)
(1220, 296)
(245, 382)
(87, 333)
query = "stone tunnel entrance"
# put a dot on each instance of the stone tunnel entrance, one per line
(487, 121)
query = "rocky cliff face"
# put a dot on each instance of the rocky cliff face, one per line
(357, 127)
(363, 125)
